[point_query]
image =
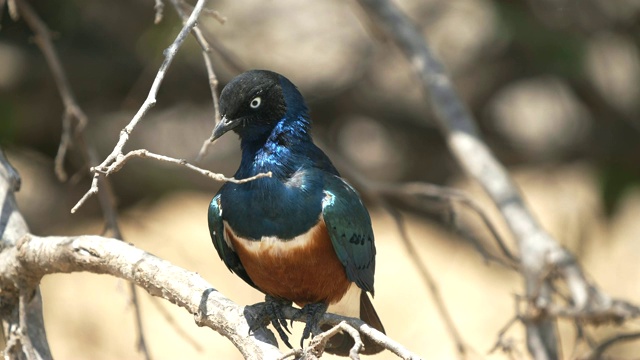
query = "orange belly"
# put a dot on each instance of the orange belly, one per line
(304, 270)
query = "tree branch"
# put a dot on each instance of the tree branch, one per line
(21, 315)
(35, 257)
(537, 248)
(114, 160)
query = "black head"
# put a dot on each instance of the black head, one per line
(255, 101)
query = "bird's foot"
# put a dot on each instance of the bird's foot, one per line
(311, 313)
(270, 312)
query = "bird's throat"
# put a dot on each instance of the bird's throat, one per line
(277, 151)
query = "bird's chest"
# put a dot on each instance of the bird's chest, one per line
(271, 207)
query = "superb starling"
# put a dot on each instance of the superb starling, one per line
(302, 235)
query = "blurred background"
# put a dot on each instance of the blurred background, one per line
(553, 84)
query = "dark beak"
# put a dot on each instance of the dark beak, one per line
(224, 126)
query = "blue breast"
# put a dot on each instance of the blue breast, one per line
(269, 207)
(287, 204)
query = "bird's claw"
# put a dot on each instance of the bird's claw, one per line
(270, 311)
(311, 313)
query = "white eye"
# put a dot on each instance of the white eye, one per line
(255, 103)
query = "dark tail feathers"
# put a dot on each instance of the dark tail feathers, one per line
(341, 343)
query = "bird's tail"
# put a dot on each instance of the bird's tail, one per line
(341, 343)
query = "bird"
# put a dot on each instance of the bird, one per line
(301, 235)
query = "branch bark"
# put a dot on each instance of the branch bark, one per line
(39, 256)
(22, 321)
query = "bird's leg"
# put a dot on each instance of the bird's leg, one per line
(270, 311)
(312, 314)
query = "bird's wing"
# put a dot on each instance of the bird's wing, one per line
(349, 227)
(227, 254)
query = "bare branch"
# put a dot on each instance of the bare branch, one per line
(537, 247)
(35, 257)
(213, 79)
(212, 13)
(317, 344)
(143, 153)
(27, 346)
(159, 8)
(150, 101)
(21, 315)
(506, 345)
(116, 159)
(441, 193)
(74, 118)
(13, 10)
(207, 48)
(374, 335)
(605, 345)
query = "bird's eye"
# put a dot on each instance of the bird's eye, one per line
(255, 103)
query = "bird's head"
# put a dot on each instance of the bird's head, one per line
(254, 102)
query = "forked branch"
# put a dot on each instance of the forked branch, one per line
(537, 248)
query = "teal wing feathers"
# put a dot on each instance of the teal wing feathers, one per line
(226, 253)
(349, 227)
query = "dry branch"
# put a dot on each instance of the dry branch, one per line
(35, 257)
(22, 321)
(116, 159)
(537, 248)
(208, 61)
(74, 122)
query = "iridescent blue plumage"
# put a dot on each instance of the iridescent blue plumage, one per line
(259, 227)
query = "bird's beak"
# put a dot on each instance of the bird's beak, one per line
(224, 126)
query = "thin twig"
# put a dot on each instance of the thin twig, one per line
(116, 159)
(25, 340)
(442, 193)
(212, 13)
(159, 8)
(176, 326)
(380, 338)
(74, 119)
(107, 203)
(598, 352)
(150, 101)
(317, 344)
(143, 153)
(213, 79)
(506, 346)
(429, 280)
(363, 328)
(13, 10)
(2, 4)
